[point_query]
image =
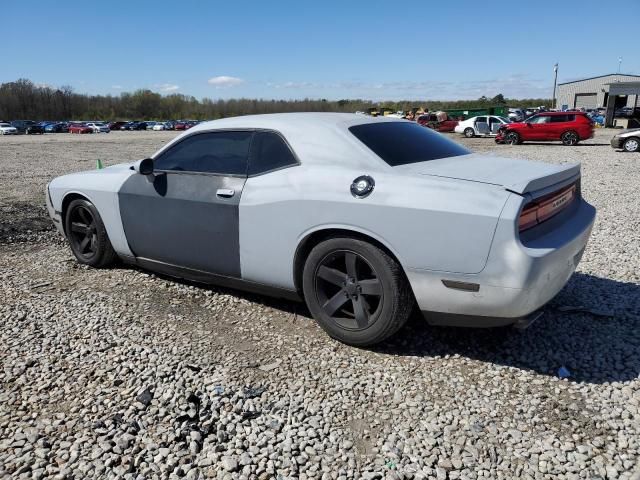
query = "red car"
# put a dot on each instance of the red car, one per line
(568, 127)
(79, 128)
(442, 124)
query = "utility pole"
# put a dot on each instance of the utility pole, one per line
(555, 83)
(619, 63)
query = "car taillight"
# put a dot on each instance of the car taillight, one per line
(544, 208)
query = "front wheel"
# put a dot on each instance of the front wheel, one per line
(469, 133)
(87, 235)
(570, 138)
(631, 144)
(356, 292)
(512, 138)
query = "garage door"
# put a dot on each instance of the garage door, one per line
(586, 100)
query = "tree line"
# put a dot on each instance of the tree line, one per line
(22, 99)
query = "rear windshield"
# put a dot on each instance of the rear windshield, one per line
(400, 143)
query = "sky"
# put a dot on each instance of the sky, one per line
(370, 49)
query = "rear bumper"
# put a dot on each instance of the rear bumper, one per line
(519, 278)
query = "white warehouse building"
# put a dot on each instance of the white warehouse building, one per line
(593, 92)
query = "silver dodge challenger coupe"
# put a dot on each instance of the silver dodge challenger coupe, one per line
(364, 218)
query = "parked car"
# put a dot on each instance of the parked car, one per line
(568, 127)
(181, 126)
(170, 125)
(627, 112)
(483, 126)
(117, 125)
(80, 128)
(59, 127)
(131, 125)
(150, 125)
(363, 218)
(159, 126)
(628, 140)
(517, 115)
(8, 129)
(439, 121)
(98, 127)
(27, 127)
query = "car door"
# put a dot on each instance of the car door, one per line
(537, 128)
(186, 213)
(494, 124)
(482, 126)
(557, 126)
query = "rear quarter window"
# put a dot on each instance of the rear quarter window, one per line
(401, 143)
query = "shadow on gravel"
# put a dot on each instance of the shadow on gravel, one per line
(594, 349)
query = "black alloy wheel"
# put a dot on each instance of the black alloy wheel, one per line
(348, 289)
(469, 132)
(87, 234)
(356, 291)
(83, 233)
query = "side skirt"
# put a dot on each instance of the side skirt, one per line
(208, 278)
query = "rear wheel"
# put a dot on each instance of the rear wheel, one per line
(469, 133)
(570, 138)
(512, 138)
(356, 291)
(631, 144)
(87, 235)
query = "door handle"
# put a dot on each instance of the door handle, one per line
(225, 192)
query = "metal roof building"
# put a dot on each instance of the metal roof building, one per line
(593, 92)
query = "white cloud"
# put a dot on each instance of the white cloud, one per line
(224, 81)
(166, 87)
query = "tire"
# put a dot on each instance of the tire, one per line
(336, 274)
(469, 133)
(631, 144)
(87, 235)
(512, 138)
(569, 138)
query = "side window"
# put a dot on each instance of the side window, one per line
(213, 152)
(481, 119)
(540, 119)
(559, 119)
(494, 120)
(269, 152)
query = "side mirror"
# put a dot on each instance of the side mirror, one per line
(144, 167)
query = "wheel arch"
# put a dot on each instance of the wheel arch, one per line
(313, 238)
(66, 201)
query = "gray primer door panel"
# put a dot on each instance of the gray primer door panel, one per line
(184, 219)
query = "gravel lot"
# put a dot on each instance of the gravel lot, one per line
(123, 374)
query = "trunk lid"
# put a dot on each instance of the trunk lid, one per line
(519, 176)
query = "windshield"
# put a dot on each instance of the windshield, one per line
(505, 120)
(400, 143)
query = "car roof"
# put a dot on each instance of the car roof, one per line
(572, 112)
(322, 138)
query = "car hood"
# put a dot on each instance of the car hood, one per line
(628, 130)
(515, 175)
